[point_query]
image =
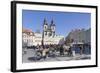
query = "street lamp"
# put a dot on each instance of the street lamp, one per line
(42, 42)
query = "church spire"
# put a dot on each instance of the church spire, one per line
(45, 21)
(52, 23)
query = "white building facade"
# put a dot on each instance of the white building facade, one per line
(27, 37)
(47, 40)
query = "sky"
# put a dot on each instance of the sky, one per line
(64, 21)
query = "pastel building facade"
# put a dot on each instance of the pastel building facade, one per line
(27, 37)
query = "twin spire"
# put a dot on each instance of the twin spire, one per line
(52, 22)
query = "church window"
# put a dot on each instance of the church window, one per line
(50, 34)
(45, 33)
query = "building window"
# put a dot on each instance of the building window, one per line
(45, 27)
(45, 33)
(50, 34)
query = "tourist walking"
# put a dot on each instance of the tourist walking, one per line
(44, 54)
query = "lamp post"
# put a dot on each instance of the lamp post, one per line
(42, 42)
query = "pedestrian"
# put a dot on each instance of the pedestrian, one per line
(44, 54)
(81, 50)
(61, 50)
(70, 51)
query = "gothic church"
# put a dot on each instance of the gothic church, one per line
(48, 30)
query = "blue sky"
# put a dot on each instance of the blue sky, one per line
(64, 21)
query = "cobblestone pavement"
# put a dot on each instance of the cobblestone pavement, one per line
(30, 53)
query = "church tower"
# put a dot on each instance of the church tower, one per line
(45, 27)
(52, 26)
(48, 30)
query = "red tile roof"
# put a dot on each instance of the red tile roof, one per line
(28, 31)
